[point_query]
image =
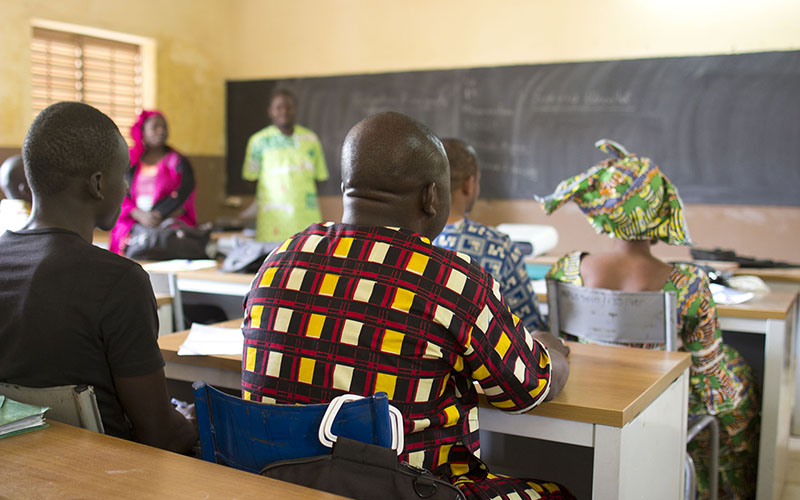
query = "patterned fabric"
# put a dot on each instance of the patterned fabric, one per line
(476, 482)
(341, 308)
(626, 197)
(286, 169)
(721, 382)
(496, 253)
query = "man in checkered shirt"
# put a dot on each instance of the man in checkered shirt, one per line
(370, 305)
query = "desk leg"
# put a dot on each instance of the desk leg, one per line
(165, 320)
(645, 458)
(776, 406)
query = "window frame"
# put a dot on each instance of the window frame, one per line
(147, 52)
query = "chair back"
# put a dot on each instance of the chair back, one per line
(613, 317)
(70, 404)
(167, 284)
(248, 435)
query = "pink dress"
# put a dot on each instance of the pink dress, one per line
(171, 188)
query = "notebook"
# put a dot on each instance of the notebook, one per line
(16, 417)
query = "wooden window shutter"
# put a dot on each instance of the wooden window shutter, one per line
(103, 73)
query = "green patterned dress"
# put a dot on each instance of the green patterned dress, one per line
(721, 382)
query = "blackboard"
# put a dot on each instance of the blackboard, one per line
(725, 129)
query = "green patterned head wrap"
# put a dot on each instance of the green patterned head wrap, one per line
(626, 197)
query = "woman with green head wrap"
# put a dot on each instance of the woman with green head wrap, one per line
(629, 199)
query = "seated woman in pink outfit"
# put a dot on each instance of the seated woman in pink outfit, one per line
(161, 182)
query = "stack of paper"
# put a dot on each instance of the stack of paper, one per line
(16, 417)
(209, 340)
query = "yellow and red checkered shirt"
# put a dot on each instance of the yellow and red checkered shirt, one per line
(362, 309)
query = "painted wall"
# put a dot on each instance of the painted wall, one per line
(308, 37)
(190, 59)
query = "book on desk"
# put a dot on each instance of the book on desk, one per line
(16, 417)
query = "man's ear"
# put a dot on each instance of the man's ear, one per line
(468, 186)
(95, 185)
(429, 199)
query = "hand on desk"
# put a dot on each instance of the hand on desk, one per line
(552, 343)
(558, 359)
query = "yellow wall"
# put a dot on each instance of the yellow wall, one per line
(201, 43)
(191, 50)
(311, 37)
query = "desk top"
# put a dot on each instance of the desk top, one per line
(214, 274)
(69, 462)
(610, 385)
(771, 305)
(607, 385)
(101, 238)
(789, 274)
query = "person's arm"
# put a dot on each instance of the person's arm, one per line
(251, 170)
(154, 420)
(167, 205)
(558, 351)
(514, 367)
(320, 168)
(129, 329)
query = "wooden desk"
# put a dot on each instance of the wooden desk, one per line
(101, 238)
(219, 371)
(775, 316)
(69, 462)
(784, 280)
(629, 405)
(777, 275)
(214, 281)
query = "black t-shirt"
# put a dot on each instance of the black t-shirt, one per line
(73, 313)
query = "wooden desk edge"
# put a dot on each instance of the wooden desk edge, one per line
(21, 450)
(787, 275)
(615, 417)
(755, 310)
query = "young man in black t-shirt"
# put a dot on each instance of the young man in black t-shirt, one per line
(72, 313)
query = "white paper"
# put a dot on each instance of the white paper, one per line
(729, 296)
(539, 286)
(209, 340)
(176, 265)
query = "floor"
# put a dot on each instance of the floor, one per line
(791, 489)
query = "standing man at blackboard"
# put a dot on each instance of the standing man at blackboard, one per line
(287, 161)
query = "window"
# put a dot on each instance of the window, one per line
(107, 74)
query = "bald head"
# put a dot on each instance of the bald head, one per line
(395, 173)
(12, 179)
